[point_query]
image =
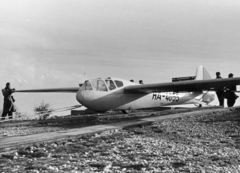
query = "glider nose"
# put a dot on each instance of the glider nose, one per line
(80, 97)
(84, 97)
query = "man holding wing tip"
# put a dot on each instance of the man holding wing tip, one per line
(8, 102)
(220, 92)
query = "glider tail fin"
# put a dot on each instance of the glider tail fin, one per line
(202, 73)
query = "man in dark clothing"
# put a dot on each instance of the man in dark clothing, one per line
(231, 96)
(8, 105)
(220, 92)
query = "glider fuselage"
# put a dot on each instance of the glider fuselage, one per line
(99, 95)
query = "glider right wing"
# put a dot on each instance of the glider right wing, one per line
(184, 86)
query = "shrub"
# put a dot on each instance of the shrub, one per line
(43, 110)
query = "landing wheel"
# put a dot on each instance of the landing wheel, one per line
(128, 111)
(200, 105)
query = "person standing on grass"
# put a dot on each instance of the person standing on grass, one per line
(220, 92)
(231, 96)
(8, 102)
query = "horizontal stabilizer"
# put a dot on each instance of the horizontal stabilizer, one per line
(61, 90)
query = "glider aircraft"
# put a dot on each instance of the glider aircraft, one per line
(103, 94)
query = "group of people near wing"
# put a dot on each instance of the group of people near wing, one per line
(226, 92)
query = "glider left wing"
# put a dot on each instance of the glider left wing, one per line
(184, 86)
(62, 90)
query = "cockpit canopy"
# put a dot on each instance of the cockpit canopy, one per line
(102, 84)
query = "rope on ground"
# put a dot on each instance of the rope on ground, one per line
(60, 109)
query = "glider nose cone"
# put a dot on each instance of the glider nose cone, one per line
(80, 97)
(84, 97)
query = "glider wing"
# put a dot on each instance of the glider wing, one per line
(184, 86)
(61, 90)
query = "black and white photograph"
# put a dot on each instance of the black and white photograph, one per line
(118, 86)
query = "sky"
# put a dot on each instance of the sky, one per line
(48, 44)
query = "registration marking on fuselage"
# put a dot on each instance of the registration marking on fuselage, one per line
(171, 97)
